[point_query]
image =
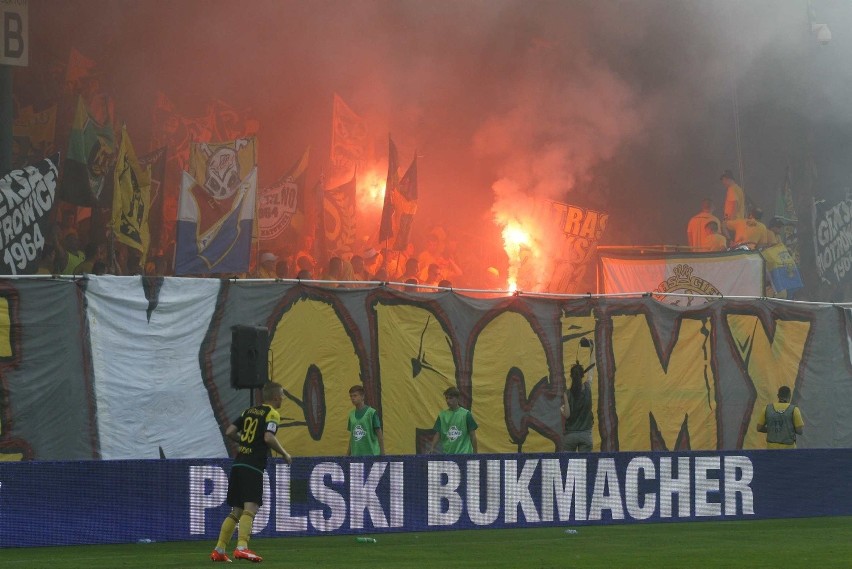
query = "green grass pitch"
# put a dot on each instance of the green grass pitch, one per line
(811, 542)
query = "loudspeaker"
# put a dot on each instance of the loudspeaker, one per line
(249, 351)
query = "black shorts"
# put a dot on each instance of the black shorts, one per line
(244, 485)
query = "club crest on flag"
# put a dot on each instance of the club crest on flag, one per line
(684, 281)
(223, 174)
(217, 208)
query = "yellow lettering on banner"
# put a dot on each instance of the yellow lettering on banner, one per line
(642, 386)
(573, 220)
(770, 364)
(590, 226)
(311, 333)
(5, 339)
(505, 342)
(5, 329)
(416, 366)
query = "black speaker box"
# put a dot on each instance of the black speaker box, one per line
(249, 352)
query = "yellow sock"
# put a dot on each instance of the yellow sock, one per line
(227, 531)
(246, 521)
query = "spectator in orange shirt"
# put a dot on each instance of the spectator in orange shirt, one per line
(749, 231)
(734, 198)
(695, 229)
(712, 240)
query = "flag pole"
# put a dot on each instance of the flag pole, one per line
(255, 237)
(398, 255)
(319, 224)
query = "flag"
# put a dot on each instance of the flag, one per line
(350, 142)
(338, 219)
(78, 70)
(386, 228)
(783, 272)
(405, 206)
(570, 255)
(159, 227)
(91, 152)
(738, 273)
(33, 135)
(230, 124)
(131, 201)
(400, 203)
(216, 209)
(27, 197)
(785, 210)
(178, 132)
(282, 205)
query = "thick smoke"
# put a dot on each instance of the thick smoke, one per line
(627, 107)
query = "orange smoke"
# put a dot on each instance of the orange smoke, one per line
(370, 189)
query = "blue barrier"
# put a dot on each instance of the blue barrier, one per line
(91, 502)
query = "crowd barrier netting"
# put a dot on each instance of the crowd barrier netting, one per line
(94, 502)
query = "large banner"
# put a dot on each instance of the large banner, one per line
(342, 495)
(832, 223)
(144, 365)
(736, 273)
(27, 197)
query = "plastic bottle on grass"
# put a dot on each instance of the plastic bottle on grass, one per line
(365, 539)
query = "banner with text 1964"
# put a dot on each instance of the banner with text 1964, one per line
(26, 199)
(832, 224)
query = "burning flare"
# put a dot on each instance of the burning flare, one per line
(516, 242)
(370, 190)
(527, 231)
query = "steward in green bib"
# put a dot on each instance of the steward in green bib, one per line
(365, 427)
(455, 427)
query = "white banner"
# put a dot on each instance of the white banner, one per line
(736, 273)
(155, 390)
